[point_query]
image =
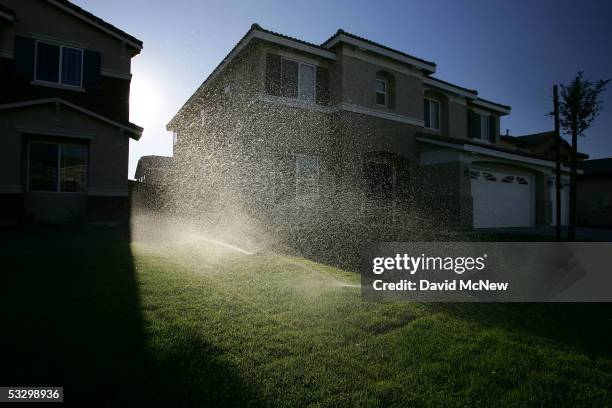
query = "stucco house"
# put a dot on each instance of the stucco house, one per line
(595, 193)
(64, 112)
(353, 131)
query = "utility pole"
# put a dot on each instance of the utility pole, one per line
(557, 163)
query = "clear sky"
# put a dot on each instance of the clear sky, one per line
(512, 52)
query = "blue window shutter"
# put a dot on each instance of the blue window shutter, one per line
(473, 125)
(24, 58)
(91, 69)
(289, 79)
(322, 86)
(273, 74)
(492, 129)
(426, 112)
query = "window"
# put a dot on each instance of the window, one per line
(489, 177)
(306, 179)
(58, 64)
(432, 114)
(381, 92)
(298, 80)
(57, 167)
(484, 127)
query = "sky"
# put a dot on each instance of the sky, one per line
(512, 52)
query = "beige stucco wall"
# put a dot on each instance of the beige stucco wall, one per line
(594, 199)
(41, 18)
(358, 78)
(108, 147)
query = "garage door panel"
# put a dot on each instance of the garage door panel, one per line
(502, 199)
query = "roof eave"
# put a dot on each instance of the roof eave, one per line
(427, 68)
(133, 42)
(255, 32)
(134, 131)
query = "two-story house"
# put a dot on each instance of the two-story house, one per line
(64, 112)
(351, 131)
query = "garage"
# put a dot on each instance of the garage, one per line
(502, 199)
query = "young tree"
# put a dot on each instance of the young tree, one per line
(580, 105)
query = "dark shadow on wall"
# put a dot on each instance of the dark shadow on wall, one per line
(71, 317)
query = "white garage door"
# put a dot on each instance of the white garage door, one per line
(502, 199)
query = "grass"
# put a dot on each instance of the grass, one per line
(187, 323)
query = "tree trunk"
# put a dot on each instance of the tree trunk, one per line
(557, 164)
(573, 173)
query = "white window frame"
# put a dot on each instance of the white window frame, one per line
(59, 77)
(385, 93)
(430, 101)
(298, 200)
(299, 82)
(58, 189)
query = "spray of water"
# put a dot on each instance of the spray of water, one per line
(250, 175)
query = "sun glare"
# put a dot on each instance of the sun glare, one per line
(145, 103)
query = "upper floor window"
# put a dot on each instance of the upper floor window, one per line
(58, 64)
(298, 80)
(482, 126)
(431, 109)
(381, 92)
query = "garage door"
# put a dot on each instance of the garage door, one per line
(502, 199)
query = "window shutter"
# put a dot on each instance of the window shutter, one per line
(273, 74)
(426, 113)
(91, 69)
(24, 58)
(289, 79)
(285, 185)
(322, 86)
(473, 125)
(492, 129)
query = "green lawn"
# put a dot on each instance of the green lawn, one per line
(189, 323)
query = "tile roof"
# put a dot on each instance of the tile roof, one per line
(98, 20)
(356, 37)
(257, 27)
(7, 11)
(597, 166)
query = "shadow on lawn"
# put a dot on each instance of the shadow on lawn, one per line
(585, 326)
(71, 317)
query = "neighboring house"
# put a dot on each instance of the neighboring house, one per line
(543, 145)
(153, 170)
(353, 131)
(595, 193)
(64, 112)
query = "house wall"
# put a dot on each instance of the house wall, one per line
(259, 134)
(107, 162)
(359, 73)
(594, 201)
(41, 20)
